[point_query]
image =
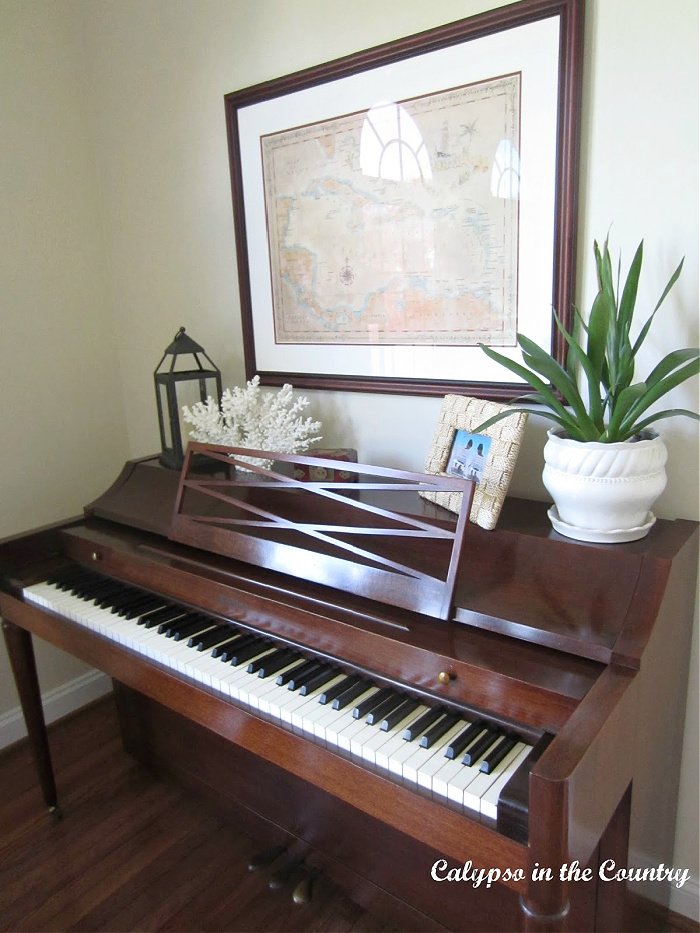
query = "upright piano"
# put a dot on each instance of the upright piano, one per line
(467, 729)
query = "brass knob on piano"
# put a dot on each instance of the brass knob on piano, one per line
(96, 555)
(445, 677)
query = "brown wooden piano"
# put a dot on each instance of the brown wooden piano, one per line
(364, 679)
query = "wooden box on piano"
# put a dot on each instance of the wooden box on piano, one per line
(575, 650)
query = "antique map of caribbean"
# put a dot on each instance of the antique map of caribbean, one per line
(398, 225)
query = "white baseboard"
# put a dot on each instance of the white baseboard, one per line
(57, 703)
(684, 900)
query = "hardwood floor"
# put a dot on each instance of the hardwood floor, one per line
(133, 853)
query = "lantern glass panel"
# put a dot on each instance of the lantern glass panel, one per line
(168, 437)
(189, 393)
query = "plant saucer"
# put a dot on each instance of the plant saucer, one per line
(600, 535)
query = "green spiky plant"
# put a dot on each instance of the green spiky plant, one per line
(612, 407)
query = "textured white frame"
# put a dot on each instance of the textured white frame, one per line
(462, 412)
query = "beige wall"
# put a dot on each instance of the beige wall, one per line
(61, 406)
(117, 226)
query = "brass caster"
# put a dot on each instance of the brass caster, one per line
(263, 859)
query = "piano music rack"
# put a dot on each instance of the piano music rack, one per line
(262, 516)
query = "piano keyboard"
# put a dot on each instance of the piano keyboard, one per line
(465, 761)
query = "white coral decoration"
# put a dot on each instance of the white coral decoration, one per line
(250, 418)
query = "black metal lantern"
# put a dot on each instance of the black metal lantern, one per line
(178, 386)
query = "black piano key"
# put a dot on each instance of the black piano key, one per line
(104, 598)
(272, 663)
(189, 625)
(90, 582)
(141, 618)
(352, 693)
(496, 755)
(482, 744)
(278, 654)
(220, 649)
(62, 579)
(123, 602)
(88, 579)
(297, 676)
(101, 593)
(265, 649)
(395, 717)
(422, 725)
(138, 608)
(168, 627)
(115, 589)
(208, 639)
(461, 741)
(114, 595)
(366, 706)
(437, 731)
(243, 655)
(161, 616)
(71, 574)
(318, 680)
(226, 652)
(300, 679)
(335, 691)
(215, 631)
(284, 677)
(391, 703)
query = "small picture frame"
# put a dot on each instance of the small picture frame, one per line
(488, 457)
(468, 455)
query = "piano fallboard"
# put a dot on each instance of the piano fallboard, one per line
(532, 685)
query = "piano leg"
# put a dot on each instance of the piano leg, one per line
(21, 652)
(532, 921)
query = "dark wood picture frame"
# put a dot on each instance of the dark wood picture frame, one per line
(569, 66)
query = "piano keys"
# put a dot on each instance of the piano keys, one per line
(479, 701)
(419, 747)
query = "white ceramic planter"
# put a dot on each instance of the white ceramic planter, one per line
(604, 492)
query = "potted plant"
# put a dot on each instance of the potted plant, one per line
(604, 465)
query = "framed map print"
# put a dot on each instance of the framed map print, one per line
(397, 208)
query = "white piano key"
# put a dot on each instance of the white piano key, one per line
(346, 736)
(482, 782)
(446, 775)
(460, 788)
(413, 767)
(382, 739)
(401, 755)
(489, 802)
(271, 702)
(340, 720)
(386, 756)
(328, 717)
(306, 717)
(427, 772)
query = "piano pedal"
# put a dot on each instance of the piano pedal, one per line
(303, 892)
(266, 858)
(284, 873)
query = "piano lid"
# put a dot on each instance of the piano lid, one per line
(521, 580)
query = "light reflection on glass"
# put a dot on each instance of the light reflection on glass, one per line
(392, 146)
(505, 174)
